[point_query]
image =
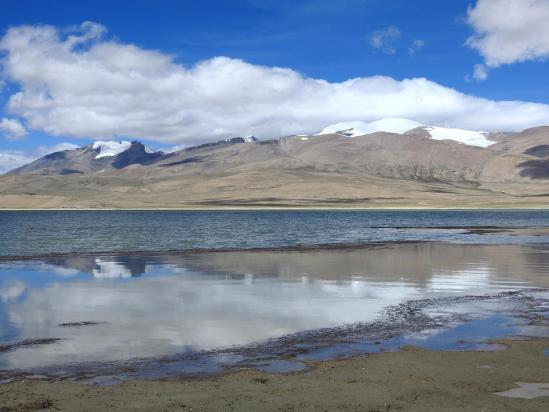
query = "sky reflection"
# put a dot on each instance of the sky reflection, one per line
(157, 305)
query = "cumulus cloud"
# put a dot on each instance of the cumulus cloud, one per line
(480, 72)
(12, 159)
(81, 84)
(384, 39)
(509, 31)
(12, 129)
(44, 150)
(416, 46)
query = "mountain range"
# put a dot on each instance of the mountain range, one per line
(387, 163)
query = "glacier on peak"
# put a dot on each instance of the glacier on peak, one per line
(359, 128)
(468, 137)
(400, 126)
(110, 148)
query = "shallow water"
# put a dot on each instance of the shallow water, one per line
(41, 232)
(199, 306)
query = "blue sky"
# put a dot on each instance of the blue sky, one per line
(319, 39)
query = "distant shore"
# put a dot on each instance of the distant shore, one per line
(282, 208)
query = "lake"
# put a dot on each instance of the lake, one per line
(41, 232)
(93, 294)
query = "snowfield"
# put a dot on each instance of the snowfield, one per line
(469, 137)
(398, 125)
(358, 128)
(110, 148)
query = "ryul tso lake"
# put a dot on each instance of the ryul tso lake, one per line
(452, 280)
(31, 233)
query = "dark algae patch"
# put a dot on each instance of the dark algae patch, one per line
(27, 342)
(76, 324)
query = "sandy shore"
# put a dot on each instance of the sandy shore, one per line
(193, 208)
(412, 379)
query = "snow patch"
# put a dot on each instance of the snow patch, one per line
(394, 125)
(468, 137)
(349, 129)
(107, 149)
(399, 125)
(358, 128)
(247, 139)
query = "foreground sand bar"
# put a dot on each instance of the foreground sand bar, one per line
(411, 380)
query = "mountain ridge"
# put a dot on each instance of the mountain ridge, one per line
(374, 170)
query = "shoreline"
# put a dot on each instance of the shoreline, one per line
(186, 252)
(279, 208)
(410, 379)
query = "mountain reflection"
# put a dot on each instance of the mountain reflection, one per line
(418, 262)
(104, 266)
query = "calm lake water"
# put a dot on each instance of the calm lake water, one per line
(31, 233)
(202, 307)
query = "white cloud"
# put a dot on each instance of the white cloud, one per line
(384, 39)
(59, 147)
(12, 129)
(509, 31)
(416, 46)
(12, 159)
(480, 72)
(103, 89)
(175, 148)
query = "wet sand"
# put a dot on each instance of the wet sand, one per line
(412, 380)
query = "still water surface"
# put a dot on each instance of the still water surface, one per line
(111, 307)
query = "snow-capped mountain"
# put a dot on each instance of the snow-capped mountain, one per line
(401, 126)
(96, 157)
(102, 156)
